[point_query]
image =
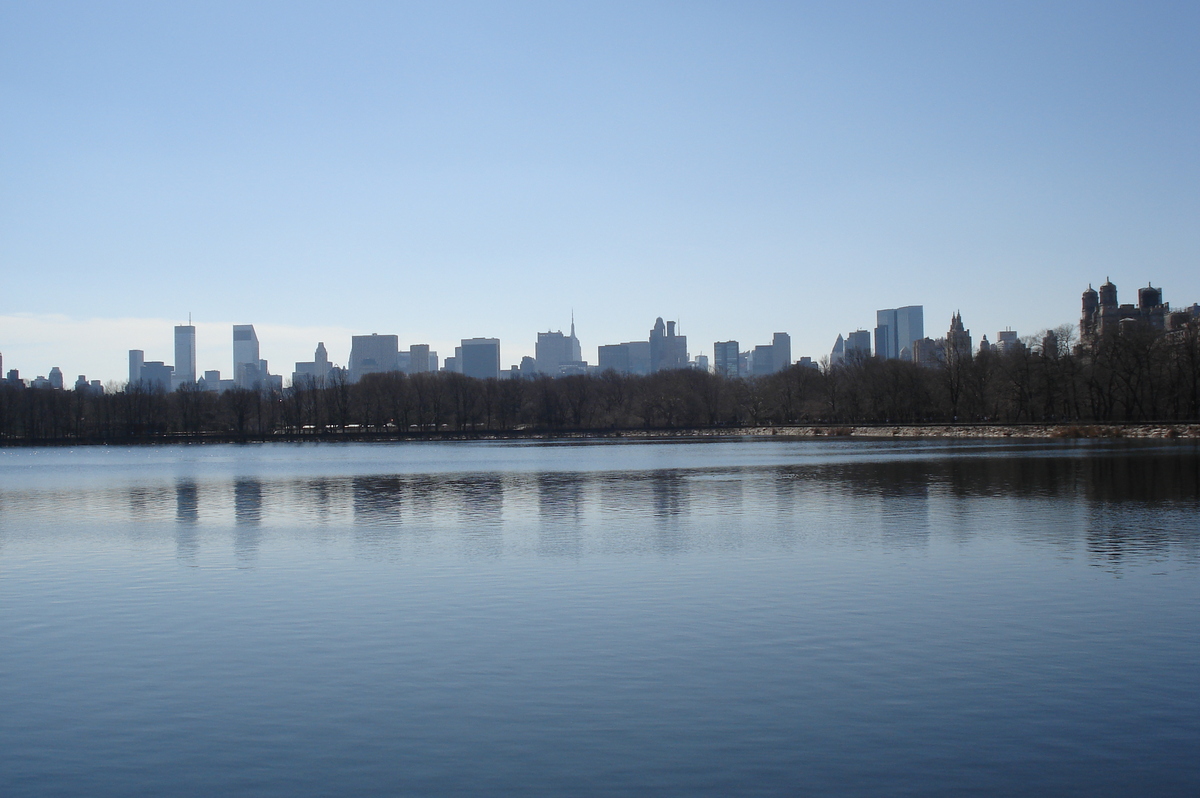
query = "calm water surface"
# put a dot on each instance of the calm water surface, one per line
(656, 618)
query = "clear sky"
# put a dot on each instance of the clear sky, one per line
(449, 170)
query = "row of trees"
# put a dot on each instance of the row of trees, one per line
(1138, 375)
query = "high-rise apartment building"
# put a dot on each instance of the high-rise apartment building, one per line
(958, 340)
(480, 358)
(373, 354)
(185, 356)
(1102, 312)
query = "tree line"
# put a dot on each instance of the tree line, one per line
(1136, 375)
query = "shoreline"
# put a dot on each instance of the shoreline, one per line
(980, 431)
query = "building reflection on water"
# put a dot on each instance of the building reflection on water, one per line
(187, 516)
(247, 517)
(561, 502)
(1139, 503)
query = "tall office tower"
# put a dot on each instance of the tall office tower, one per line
(910, 326)
(418, 359)
(245, 356)
(884, 326)
(781, 346)
(56, 378)
(556, 353)
(551, 352)
(631, 357)
(762, 360)
(137, 359)
(667, 350)
(185, 356)
(373, 354)
(576, 350)
(312, 374)
(613, 357)
(726, 358)
(838, 354)
(156, 375)
(896, 329)
(858, 343)
(480, 358)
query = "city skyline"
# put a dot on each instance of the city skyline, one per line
(899, 334)
(408, 169)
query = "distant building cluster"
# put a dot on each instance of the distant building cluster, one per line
(899, 334)
(1103, 314)
(53, 381)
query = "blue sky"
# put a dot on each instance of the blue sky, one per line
(451, 170)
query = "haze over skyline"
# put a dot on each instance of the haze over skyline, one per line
(483, 169)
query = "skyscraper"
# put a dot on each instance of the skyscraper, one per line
(556, 353)
(185, 356)
(896, 329)
(372, 354)
(958, 340)
(552, 351)
(246, 363)
(631, 357)
(480, 358)
(838, 353)
(781, 345)
(418, 359)
(762, 360)
(312, 374)
(667, 350)
(726, 358)
(858, 344)
(137, 358)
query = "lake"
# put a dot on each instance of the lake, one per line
(728, 617)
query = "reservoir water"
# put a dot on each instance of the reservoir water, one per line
(736, 617)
